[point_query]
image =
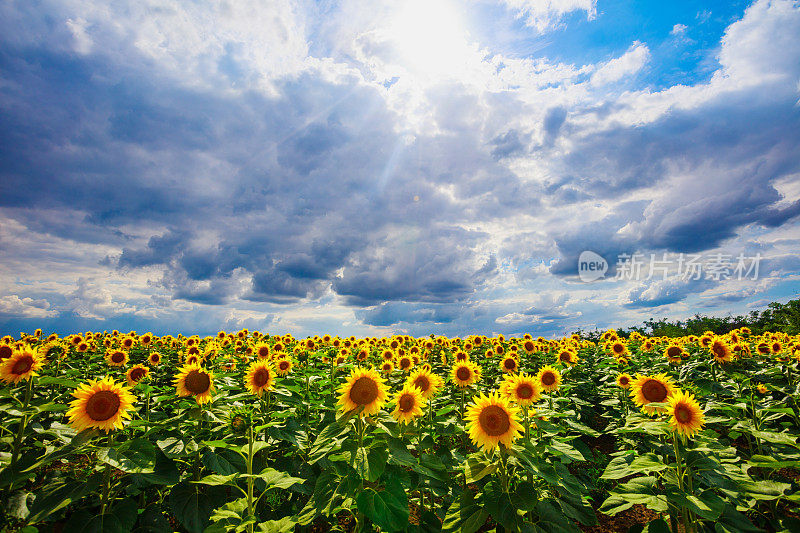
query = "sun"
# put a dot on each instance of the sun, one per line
(430, 38)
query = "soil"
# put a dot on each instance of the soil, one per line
(621, 522)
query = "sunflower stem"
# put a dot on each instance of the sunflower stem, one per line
(250, 480)
(106, 480)
(22, 424)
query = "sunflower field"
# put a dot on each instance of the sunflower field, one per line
(250, 432)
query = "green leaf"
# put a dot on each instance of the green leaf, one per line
(525, 498)
(17, 504)
(477, 468)
(464, 515)
(172, 447)
(192, 504)
(60, 496)
(134, 456)
(152, 520)
(284, 525)
(326, 441)
(399, 454)
(656, 526)
(276, 479)
(164, 473)
(370, 463)
(388, 508)
(217, 479)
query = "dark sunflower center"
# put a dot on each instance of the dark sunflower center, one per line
(284, 365)
(405, 362)
(548, 378)
(155, 358)
(624, 380)
(102, 405)
(137, 374)
(618, 348)
(718, 349)
(406, 403)
(22, 365)
(263, 351)
(5, 352)
(529, 346)
(776, 347)
(422, 383)
(510, 364)
(525, 391)
(117, 357)
(261, 377)
(197, 382)
(654, 391)
(565, 357)
(364, 391)
(494, 420)
(461, 356)
(673, 351)
(463, 373)
(683, 414)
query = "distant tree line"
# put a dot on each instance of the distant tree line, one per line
(776, 317)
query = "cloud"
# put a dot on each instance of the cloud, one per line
(618, 68)
(544, 15)
(14, 306)
(283, 168)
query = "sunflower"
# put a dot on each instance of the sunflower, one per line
(652, 389)
(686, 417)
(492, 420)
(135, 374)
(465, 373)
(624, 381)
(674, 353)
(427, 383)
(761, 388)
(529, 346)
(567, 357)
(22, 364)
(409, 402)
(127, 343)
(100, 404)
(154, 359)
(549, 378)
(261, 350)
(116, 358)
(619, 349)
(521, 389)
(5, 351)
(721, 351)
(387, 367)
(283, 365)
(364, 388)
(259, 377)
(461, 356)
(194, 380)
(405, 363)
(509, 364)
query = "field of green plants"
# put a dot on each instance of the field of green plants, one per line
(247, 432)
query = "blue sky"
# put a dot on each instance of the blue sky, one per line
(370, 168)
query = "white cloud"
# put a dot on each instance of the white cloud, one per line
(627, 64)
(546, 15)
(14, 306)
(678, 29)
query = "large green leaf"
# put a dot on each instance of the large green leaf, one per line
(464, 515)
(60, 496)
(388, 508)
(192, 504)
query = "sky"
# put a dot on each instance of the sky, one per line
(361, 167)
